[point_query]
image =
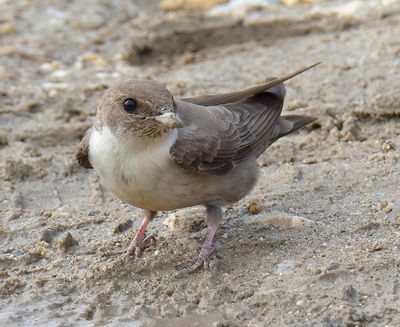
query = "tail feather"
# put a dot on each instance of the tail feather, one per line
(290, 123)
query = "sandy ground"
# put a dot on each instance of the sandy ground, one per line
(342, 174)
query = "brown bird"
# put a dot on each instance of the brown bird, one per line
(159, 153)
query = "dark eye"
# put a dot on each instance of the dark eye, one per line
(130, 106)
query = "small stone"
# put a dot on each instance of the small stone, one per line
(57, 263)
(47, 213)
(182, 222)
(295, 105)
(181, 84)
(172, 5)
(169, 292)
(310, 161)
(377, 247)
(186, 58)
(89, 311)
(15, 214)
(59, 75)
(3, 140)
(93, 213)
(43, 244)
(351, 130)
(385, 206)
(387, 146)
(94, 59)
(332, 267)
(47, 236)
(285, 266)
(123, 226)
(6, 28)
(3, 229)
(282, 219)
(291, 3)
(254, 208)
(67, 242)
(49, 86)
(48, 67)
(40, 282)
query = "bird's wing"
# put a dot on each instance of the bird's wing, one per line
(82, 150)
(216, 138)
(230, 97)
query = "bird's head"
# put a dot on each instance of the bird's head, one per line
(141, 108)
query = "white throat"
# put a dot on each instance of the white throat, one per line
(130, 163)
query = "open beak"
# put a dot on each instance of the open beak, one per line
(168, 118)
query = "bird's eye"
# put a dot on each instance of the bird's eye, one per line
(130, 106)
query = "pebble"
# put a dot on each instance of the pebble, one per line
(3, 140)
(254, 208)
(58, 75)
(13, 215)
(285, 266)
(93, 213)
(48, 67)
(185, 221)
(291, 3)
(387, 146)
(55, 86)
(240, 9)
(282, 219)
(6, 28)
(47, 236)
(172, 5)
(67, 241)
(123, 226)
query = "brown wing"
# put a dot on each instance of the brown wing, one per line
(82, 150)
(216, 138)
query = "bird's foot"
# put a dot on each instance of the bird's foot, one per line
(194, 264)
(136, 247)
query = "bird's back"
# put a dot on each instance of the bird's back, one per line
(217, 137)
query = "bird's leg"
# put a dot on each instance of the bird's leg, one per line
(139, 243)
(214, 217)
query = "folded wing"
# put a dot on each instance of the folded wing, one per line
(82, 150)
(219, 133)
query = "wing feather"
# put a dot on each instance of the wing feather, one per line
(82, 150)
(225, 129)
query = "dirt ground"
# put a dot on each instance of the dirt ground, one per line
(340, 176)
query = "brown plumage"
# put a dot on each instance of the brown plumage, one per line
(161, 153)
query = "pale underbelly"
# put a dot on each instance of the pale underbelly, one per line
(174, 188)
(161, 193)
(150, 180)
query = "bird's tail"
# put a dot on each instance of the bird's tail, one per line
(290, 123)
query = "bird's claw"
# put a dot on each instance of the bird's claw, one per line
(136, 247)
(139, 247)
(194, 264)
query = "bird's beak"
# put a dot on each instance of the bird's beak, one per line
(168, 118)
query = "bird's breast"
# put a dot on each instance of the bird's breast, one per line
(145, 178)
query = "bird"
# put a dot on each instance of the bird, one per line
(160, 153)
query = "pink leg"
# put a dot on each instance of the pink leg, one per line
(139, 243)
(214, 217)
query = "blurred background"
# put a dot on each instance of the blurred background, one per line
(341, 174)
